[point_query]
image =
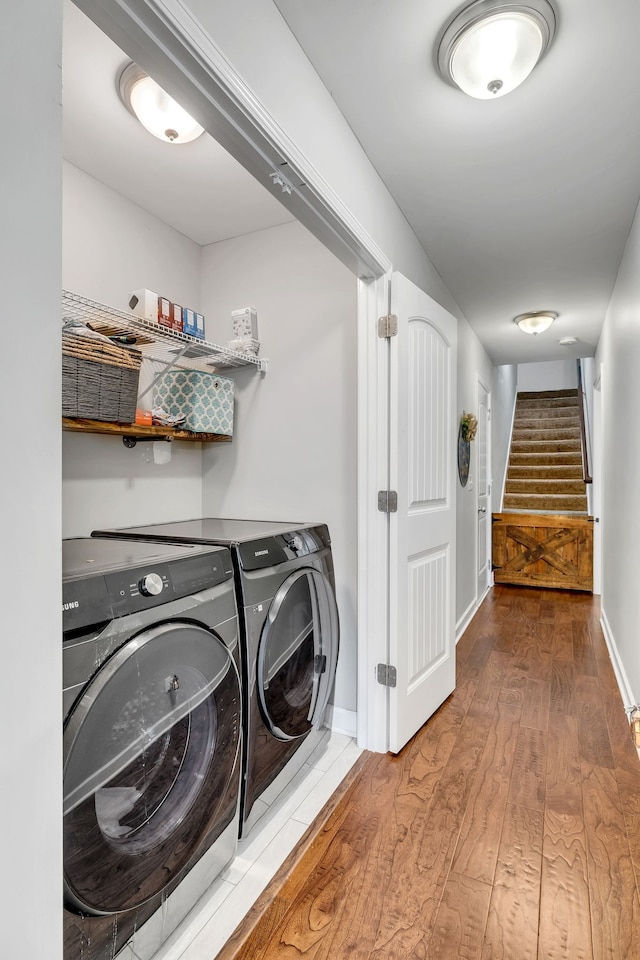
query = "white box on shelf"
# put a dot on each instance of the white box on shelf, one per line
(144, 303)
(245, 322)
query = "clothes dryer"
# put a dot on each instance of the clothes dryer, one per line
(285, 588)
(152, 738)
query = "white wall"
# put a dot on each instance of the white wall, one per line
(618, 356)
(294, 451)
(503, 401)
(473, 362)
(550, 375)
(30, 802)
(111, 247)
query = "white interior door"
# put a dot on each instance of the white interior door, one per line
(422, 390)
(484, 491)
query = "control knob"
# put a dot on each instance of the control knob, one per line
(151, 585)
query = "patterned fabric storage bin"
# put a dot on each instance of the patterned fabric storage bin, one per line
(205, 399)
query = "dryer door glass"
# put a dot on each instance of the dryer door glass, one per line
(151, 752)
(297, 654)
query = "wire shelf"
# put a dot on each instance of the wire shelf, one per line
(158, 343)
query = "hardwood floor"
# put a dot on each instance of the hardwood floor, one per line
(507, 829)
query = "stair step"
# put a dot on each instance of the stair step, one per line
(541, 487)
(544, 471)
(551, 403)
(544, 433)
(543, 394)
(547, 502)
(541, 448)
(543, 458)
(543, 413)
(570, 424)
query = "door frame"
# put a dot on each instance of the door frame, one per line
(167, 41)
(480, 383)
(373, 703)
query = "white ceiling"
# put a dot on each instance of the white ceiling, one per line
(522, 203)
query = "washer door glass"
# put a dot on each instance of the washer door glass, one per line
(150, 750)
(297, 654)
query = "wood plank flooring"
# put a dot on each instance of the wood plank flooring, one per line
(507, 829)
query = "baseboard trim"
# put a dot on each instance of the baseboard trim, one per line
(343, 721)
(621, 675)
(466, 618)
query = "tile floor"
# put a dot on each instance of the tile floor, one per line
(216, 915)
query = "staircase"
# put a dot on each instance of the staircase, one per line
(545, 461)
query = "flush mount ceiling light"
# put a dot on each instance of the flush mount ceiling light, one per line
(535, 323)
(491, 46)
(156, 110)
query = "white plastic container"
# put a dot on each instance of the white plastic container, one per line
(144, 303)
(245, 323)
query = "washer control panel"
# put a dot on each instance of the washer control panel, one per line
(133, 590)
(104, 596)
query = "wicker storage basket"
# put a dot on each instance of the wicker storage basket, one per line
(99, 377)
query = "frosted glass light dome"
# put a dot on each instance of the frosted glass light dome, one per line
(156, 110)
(535, 323)
(492, 46)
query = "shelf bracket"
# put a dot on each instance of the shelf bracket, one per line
(167, 366)
(130, 442)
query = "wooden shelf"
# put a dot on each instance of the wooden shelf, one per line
(139, 432)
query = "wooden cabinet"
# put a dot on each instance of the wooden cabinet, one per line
(543, 550)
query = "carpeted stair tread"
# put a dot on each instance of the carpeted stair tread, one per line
(547, 423)
(539, 446)
(544, 413)
(546, 394)
(551, 403)
(545, 459)
(548, 403)
(554, 487)
(547, 503)
(545, 471)
(542, 433)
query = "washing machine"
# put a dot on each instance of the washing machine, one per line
(285, 588)
(152, 738)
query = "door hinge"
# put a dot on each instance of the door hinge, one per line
(387, 501)
(387, 326)
(387, 675)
